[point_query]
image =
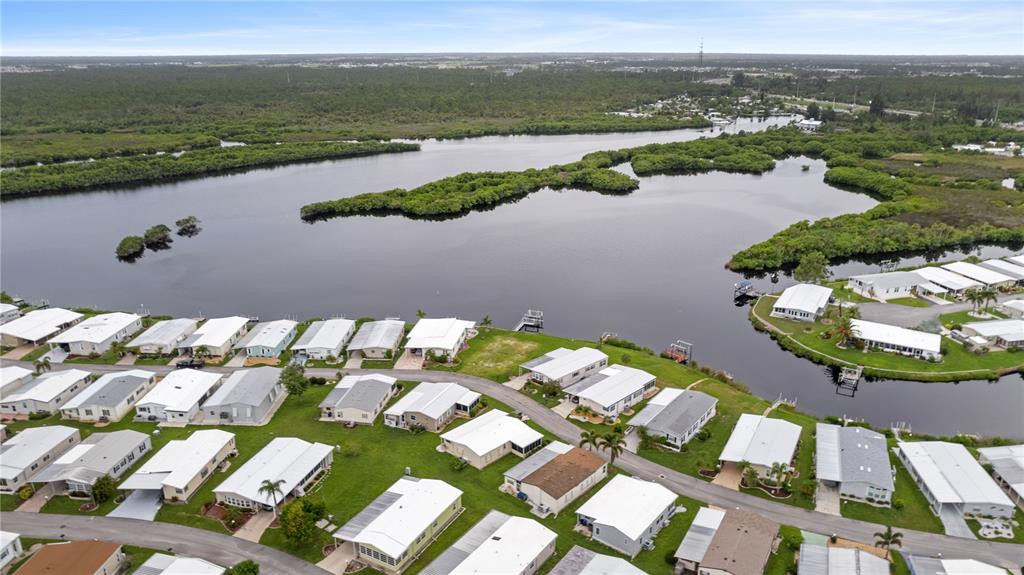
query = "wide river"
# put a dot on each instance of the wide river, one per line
(648, 266)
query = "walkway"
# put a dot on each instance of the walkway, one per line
(955, 524)
(214, 547)
(1005, 554)
(339, 559)
(255, 526)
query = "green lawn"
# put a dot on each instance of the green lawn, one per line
(108, 358)
(962, 317)
(9, 502)
(915, 512)
(955, 358)
(840, 292)
(36, 353)
(162, 360)
(909, 302)
(783, 561)
(1018, 532)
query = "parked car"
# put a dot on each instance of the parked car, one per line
(191, 364)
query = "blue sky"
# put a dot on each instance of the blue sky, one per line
(794, 26)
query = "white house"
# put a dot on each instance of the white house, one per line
(627, 513)
(802, 302)
(952, 480)
(440, 336)
(9, 312)
(377, 339)
(1006, 268)
(37, 325)
(808, 125)
(215, 335)
(583, 561)
(29, 452)
(895, 339)
(856, 460)
(104, 453)
(997, 333)
(181, 467)
(565, 366)
(161, 564)
(612, 390)
(762, 442)
(10, 548)
(163, 337)
(498, 542)
(552, 478)
(1007, 463)
(431, 406)
(97, 333)
(886, 286)
(12, 377)
(110, 397)
(268, 339)
(675, 415)
(326, 338)
(358, 398)
(489, 437)
(46, 393)
(822, 560)
(299, 464)
(733, 542)
(1013, 308)
(986, 276)
(920, 565)
(391, 532)
(177, 397)
(954, 283)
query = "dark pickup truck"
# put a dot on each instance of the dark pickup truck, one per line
(191, 364)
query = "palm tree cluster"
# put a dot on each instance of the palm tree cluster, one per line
(981, 297)
(613, 442)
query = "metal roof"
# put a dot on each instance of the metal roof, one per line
(1004, 267)
(524, 468)
(289, 459)
(698, 538)
(821, 560)
(267, 334)
(1008, 463)
(889, 280)
(920, 565)
(161, 564)
(582, 561)
(611, 385)
(761, 441)
(1009, 329)
(29, 445)
(47, 386)
(97, 329)
(895, 335)
(13, 374)
(951, 474)
(94, 457)
(328, 334)
(561, 362)
(111, 389)
(39, 324)
(246, 387)
(852, 454)
(433, 399)
(628, 504)
(946, 278)
(386, 333)
(740, 544)
(497, 540)
(363, 392)
(215, 332)
(180, 461)
(438, 333)
(978, 273)
(491, 430)
(166, 332)
(674, 411)
(181, 389)
(804, 297)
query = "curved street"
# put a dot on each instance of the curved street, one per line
(1005, 554)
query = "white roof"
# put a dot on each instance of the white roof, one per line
(1008, 328)
(1019, 260)
(327, 334)
(951, 474)
(1008, 461)
(161, 564)
(489, 431)
(11, 373)
(6, 538)
(804, 297)
(386, 333)
(97, 387)
(4, 308)
(217, 331)
(582, 561)
(28, 446)
(39, 324)
(47, 386)
(700, 534)
(617, 383)
(978, 273)
(513, 547)
(1017, 304)
(286, 458)
(564, 362)
(432, 399)
(761, 441)
(267, 334)
(166, 332)
(417, 504)
(180, 461)
(438, 333)
(946, 278)
(895, 335)
(970, 567)
(628, 504)
(97, 329)
(181, 389)
(1004, 267)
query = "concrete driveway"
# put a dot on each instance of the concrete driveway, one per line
(141, 504)
(339, 559)
(565, 408)
(254, 527)
(826, 499)
(409, 360)
(729, 477)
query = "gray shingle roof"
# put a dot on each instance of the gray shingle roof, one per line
(372, 334)
(246, 387)
(852, 454)
(677, 417)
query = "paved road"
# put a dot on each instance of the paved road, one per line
(1005, 554)
(914, 316)
(216, 547)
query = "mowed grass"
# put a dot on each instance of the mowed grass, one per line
(915, 512)
(1018, 532)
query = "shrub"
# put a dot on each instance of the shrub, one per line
(130, 247)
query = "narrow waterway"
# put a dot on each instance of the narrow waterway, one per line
(648, 266)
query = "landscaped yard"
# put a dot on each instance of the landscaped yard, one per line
(961, 317)
(909, 302)
(914, 513)
(1018, 532)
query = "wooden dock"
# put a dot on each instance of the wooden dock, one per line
(533, 321)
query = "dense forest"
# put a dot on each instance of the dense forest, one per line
(103, 111)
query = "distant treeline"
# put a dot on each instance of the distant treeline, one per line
(142, 169)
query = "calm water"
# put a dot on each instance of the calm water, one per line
(648, 266)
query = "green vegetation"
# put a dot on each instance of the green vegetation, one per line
(157, 237)
(1018, 532)
(130, 247)
(783, 561)
(57, 178)
(818, 342)
(909, 302)
(909, 505)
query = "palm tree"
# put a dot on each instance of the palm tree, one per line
(588, 439)
(118, 348)
(42, 365)
(486, 321)
(420, 313)
(888, 539)
(749, 473)
(988, 295)
(846, 330)
(974, 296)
(613, 443)
(777, 472)
(273, 489)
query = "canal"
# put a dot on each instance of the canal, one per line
(648, 266)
